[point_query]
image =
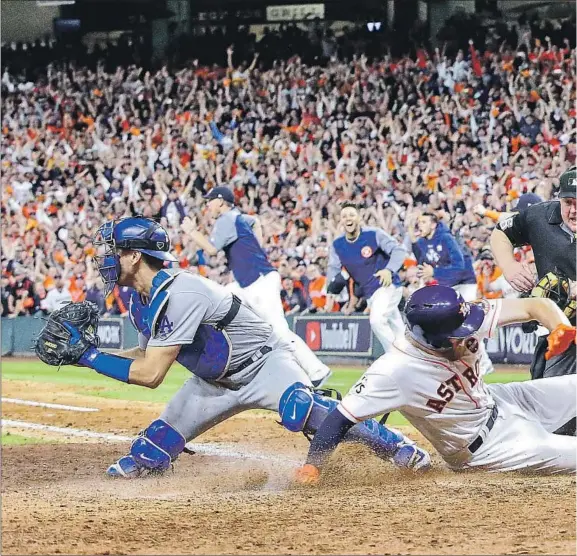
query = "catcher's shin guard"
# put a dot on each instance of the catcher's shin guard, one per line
(304, 410)
(153, 451)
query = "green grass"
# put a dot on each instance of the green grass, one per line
(11, 439)
(90, 383)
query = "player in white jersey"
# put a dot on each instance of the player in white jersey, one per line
(432, 377)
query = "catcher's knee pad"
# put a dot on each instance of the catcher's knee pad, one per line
(304, 410)
(157, 446)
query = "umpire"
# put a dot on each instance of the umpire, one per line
(550, 229)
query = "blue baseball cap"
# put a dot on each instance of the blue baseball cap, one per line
(526, 200)
(222, 192)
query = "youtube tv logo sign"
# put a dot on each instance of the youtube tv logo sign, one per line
(313, 335)
(333, 335)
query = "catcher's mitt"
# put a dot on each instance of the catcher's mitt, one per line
(68, 333)
(557, 288)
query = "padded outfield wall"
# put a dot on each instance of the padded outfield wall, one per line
(337, 339)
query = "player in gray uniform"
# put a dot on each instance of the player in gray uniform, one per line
(258, 283)
(236, 360)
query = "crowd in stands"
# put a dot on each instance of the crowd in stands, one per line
(455, 130)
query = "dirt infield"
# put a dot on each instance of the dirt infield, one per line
(56, 499)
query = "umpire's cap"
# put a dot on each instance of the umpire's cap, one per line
(223, 193)
(568, 183)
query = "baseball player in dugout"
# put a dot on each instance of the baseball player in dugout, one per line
(257, 282)
(236, 360)
(432, 376)
(550, 229)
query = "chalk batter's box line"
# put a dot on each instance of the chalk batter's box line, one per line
(220, 450)
(50, 405)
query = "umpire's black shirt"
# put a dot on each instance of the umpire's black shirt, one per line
(542, 227)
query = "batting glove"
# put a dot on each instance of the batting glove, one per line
(559, 340)
(307, 475)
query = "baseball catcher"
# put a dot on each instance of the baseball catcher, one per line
(549, 228)
(556, 287)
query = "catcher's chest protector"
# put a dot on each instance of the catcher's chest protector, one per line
(208, 356)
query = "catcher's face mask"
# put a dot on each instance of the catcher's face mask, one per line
(106, 259)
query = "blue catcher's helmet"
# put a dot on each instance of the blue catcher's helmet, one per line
(436, 314)
(135, 233)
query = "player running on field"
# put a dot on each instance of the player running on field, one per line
(432, 377)
(240, 236)
(236, 360)
(372, 258)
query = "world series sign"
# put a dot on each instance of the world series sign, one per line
(336, 335)
(110, 332)
(510, 344)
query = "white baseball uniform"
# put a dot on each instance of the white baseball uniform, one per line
(258, 284)
(497, 427)
(385, 318)
(371, 252)
(264, 297)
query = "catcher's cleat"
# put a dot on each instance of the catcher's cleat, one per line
(125, 468)
(410, 456)
(307, 475)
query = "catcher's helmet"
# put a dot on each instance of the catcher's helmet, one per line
(135, 233)
(435, 314)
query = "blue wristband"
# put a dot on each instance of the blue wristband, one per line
(114, 366)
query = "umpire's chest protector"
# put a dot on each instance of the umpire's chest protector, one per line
(553, 247)
(208, 356)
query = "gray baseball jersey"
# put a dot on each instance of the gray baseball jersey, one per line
(183, 310)
(185, 307)
(233, 232)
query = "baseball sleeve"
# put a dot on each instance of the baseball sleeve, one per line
(334, 265)
(516, 229)
(377, 392)
(492, 309)
(418, 252)
(396, 252)
(224, 231)
(250, 219)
